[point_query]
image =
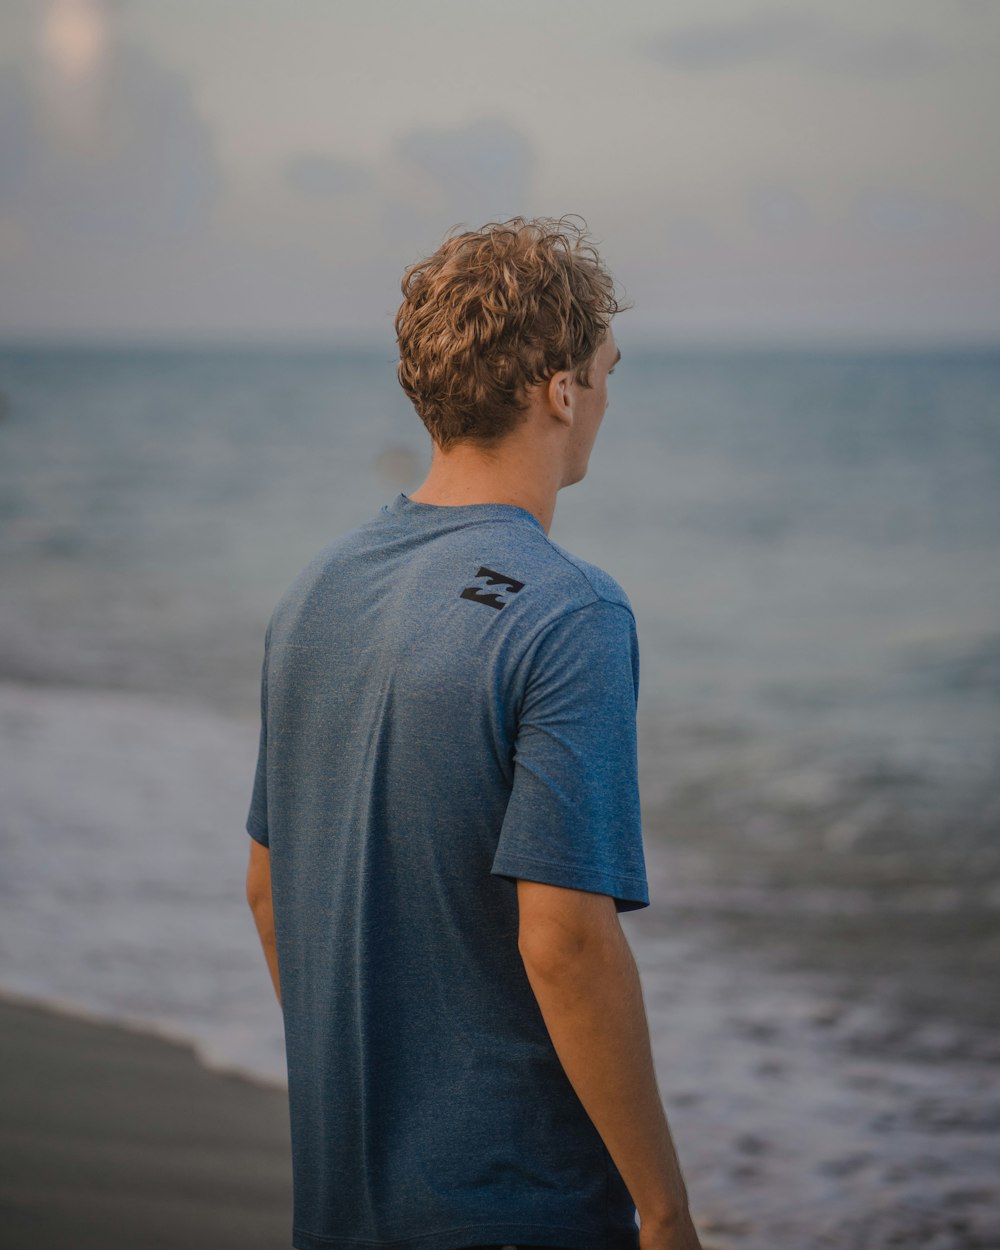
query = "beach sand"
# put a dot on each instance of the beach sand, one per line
(111, 1138)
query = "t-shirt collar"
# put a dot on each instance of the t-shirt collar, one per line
(402, 505)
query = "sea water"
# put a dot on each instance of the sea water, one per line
(810, 541)
(795, 531)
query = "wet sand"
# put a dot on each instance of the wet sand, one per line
(111, 1139)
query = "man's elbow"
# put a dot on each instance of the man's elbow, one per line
(258, 895)
(255, 895)
(556, 957)
(563, 934)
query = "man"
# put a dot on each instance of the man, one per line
(445, 817)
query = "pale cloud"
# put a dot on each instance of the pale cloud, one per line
(776, 208)
(427, 180)
(902, 212)
(148, 173)
(18, 140)
(477, 171)
(319, 175)
(811, 40)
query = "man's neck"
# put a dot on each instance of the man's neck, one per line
(510, 473)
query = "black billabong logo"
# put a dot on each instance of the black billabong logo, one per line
(478, 595)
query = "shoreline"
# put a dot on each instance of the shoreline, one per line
(157, 1030)
(114, 1138)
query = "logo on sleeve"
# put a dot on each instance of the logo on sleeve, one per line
(490, 578)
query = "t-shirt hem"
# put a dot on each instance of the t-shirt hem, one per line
(257, 832)
(628, 889)
(480, 1235)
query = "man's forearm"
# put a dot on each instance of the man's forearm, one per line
(261, 903)
(593, 1009)
(263, 915)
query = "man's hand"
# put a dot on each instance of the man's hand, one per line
(584, 977)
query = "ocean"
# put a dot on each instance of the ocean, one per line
(810, 541)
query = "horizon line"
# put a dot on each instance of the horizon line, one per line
(643, 343)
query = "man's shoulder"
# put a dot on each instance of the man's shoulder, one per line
(323, 566)
(602, 584)
(544, 579)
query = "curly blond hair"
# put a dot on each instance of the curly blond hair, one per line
(494, 311)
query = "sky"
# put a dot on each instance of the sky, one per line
(264, 170)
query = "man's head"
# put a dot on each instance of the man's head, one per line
(492, 313)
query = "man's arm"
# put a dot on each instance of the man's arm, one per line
(259, 898)
(584, 977)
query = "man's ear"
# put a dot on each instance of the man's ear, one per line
(560, 396)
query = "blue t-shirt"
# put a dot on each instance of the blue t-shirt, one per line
(448, 704)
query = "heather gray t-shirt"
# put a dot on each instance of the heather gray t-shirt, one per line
(448, 704)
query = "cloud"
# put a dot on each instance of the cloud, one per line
(776, 209)
(978, 8)
(17, 139)
(808, 39)
(317, 175)
(902, 212)
(481, 170)
(145, 170)
(429, 179)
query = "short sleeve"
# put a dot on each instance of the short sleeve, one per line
(256, 824)
(573, 817)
